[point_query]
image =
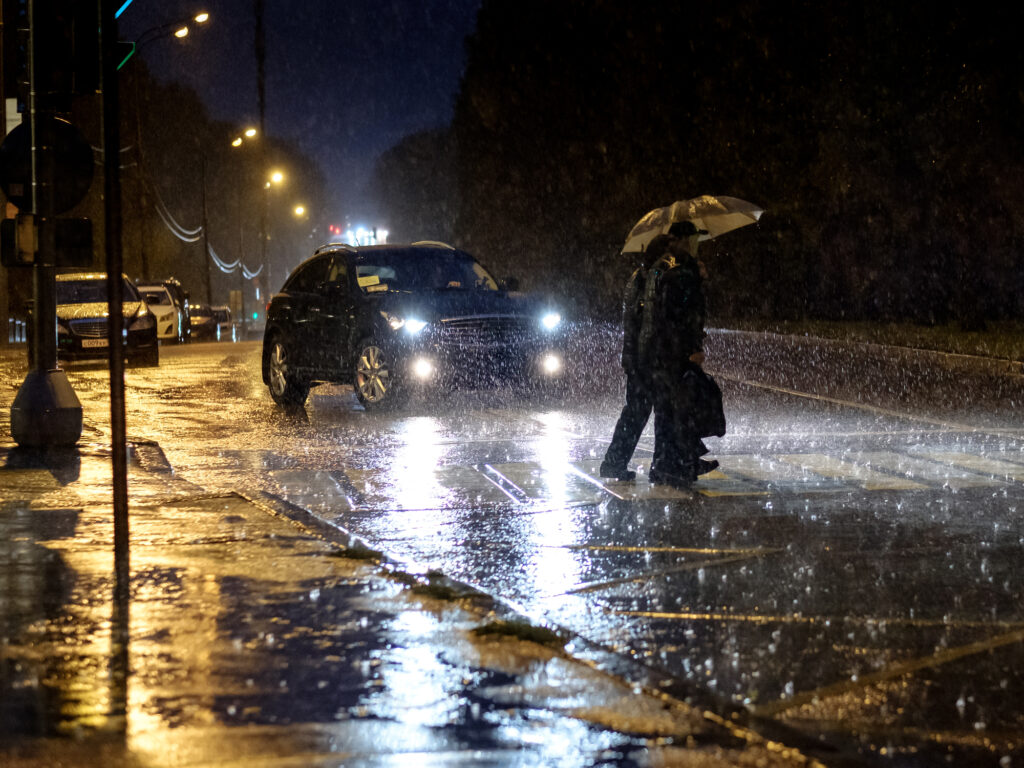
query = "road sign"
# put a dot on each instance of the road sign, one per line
(25, 242)
(72, 160)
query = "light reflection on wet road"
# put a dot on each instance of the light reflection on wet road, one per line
(849, 571)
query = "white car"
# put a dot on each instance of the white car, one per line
(170, 318)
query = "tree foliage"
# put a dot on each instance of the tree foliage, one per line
(175, 157)
(882, 139)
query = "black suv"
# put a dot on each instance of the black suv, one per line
(391, 318)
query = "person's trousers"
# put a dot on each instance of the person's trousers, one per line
(631, 422)
(677, 444)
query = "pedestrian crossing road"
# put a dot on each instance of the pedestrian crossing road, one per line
(420, 485)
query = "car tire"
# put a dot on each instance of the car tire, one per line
(373, 376)
(285, 385)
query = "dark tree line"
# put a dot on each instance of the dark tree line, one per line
(883, 139)
(174, 156)
(182, 158)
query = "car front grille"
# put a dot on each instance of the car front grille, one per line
(486, 331)
(92, 329)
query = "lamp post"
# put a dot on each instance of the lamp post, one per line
(178, 29)
(275, 178)
(246, 136)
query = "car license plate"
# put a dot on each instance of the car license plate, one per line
(91, 343)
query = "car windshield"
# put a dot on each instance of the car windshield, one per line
(201, 312)
(89, 291)
(413, 270)
(161, 298)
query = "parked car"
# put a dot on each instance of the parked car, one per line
(393, 318)
(180, 298)
(225, 325)
(204, 324)
(82, 319)
(170, 317)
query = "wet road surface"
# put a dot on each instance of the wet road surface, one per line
(851, 570)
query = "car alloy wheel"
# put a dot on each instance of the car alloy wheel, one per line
(373, 377)
(284, 388)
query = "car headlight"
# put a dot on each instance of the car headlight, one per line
(142, 321)
(551, 320)
(412, 325)
(62, 330)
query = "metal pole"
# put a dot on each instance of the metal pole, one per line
(241, 266)
(140, 174)
(45, 412)
(261, 89)
(115, 280)
(44, 329)
(205, 266)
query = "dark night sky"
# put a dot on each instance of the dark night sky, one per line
(344, 80)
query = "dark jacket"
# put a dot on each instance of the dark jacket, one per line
(632, 318)
(672, 328)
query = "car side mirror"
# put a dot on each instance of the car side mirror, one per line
(509, 284)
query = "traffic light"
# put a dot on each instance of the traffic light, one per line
(67, 50)
(15, 50)
(67, 46)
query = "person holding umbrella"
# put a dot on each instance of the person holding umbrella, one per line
(637, 409)
(671, 348)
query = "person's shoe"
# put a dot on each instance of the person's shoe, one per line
(617, 473)
(703, 467)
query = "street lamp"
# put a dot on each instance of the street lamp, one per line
(178, 29)
(249, 133)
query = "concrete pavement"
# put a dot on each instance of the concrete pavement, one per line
(255, 640)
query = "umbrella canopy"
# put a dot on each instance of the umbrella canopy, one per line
(717, 214)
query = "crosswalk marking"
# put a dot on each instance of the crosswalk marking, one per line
(984, 464)
(925, 470)
(830, 466)
(533, 483)
(1016, 456)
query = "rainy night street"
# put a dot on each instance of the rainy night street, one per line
(850, 575)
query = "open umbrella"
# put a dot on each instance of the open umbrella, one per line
(717, 214)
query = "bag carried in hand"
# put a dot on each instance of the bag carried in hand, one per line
(706, 412)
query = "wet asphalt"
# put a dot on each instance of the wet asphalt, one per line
(846, 584)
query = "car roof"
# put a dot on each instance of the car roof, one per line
(68, 276)
(426, 244)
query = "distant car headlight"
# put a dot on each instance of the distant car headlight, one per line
(412, 325)
(422, 368)
(551, 320)
(142, 321)
(551, 364)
